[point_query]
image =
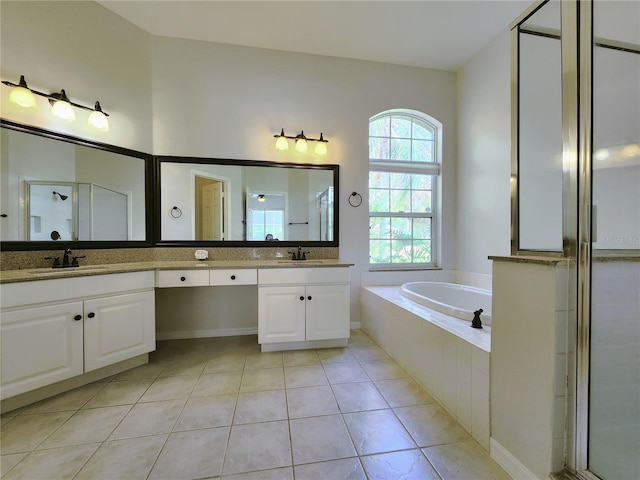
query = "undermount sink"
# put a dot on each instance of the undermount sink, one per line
(58, 271)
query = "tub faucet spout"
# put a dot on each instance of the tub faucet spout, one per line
(476, 322)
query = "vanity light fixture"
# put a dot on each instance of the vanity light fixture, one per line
(22, 95)
(301, 144)
(62, 107)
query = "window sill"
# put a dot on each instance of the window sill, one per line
(403, 269)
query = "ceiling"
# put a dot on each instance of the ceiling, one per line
(440, 34)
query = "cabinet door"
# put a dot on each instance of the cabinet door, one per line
(327, 312)
(117, 328)
(281, 314)
(40, 346)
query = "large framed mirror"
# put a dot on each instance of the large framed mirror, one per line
(58, 190)
(224, 202)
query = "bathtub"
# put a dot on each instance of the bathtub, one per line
(451, 298)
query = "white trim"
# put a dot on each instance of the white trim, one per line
(216, 332)
(355, 326)
(509, 463)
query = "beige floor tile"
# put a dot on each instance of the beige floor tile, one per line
(193, 454)
(263, 360)
(123, 459)
(284, 473)
(316, 439)
(357, 397)
(407, 465)
(258, 446)
(217, 384)
(345, 373)
(358, 337)
(148, 370)
(225, 362)
(336, 355)
(207, 412)
(152, 418)
(263, 379)
(431, 425)
(311, 402)
(71, 400)
(377, 431)
(7, 462)
(369, 353)
(26, 432)
(305, 376)
(383, 370)
(464, 460)
(344, 469)
(58, 463)
(403, 392)
(300, 357)
(7, 418)
(189, 366)
(120, 392)
(169, 388)
(87, 426)
(263, 406)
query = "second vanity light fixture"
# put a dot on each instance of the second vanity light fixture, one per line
(61, 106)
(301, 140)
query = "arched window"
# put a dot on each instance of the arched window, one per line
(404, 165)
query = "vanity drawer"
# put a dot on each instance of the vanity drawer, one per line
(242, 276)
(183, 278)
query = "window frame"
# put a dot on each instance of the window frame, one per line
(434, 169)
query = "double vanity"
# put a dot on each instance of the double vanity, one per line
(61, 328)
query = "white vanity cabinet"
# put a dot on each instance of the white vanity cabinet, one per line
(303, 305)
(52, 330)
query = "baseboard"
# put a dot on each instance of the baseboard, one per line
(510, 463)
(215, 332)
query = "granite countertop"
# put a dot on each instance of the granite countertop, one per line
(25, 275)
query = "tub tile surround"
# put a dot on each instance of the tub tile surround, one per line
(272, 432)
(447, 357)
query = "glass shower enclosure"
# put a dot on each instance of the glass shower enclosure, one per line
(576, 195)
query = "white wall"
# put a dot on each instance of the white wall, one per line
(90, 52)
(214, 100)
(484, 165)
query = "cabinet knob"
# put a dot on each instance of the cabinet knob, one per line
(77, 317)
(301, 297)
(233, 277)
(182, 279)
(91, 315)
(309, 297)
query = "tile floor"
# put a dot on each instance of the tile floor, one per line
(218, 408)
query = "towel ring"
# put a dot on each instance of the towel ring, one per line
(355, 199)
(175, 212)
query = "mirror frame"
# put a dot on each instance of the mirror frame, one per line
(24, 245)
(157, 214)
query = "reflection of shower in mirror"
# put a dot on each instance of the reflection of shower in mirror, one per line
(62, 197)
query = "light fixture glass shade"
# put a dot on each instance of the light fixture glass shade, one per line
(282, 143)
(262, 198)
(23, 97)
(63, 109)
(98, 120)
(301, 144)
(321, 148)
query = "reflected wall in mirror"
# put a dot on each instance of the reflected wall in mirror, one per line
(220, 200)
(61, 188)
